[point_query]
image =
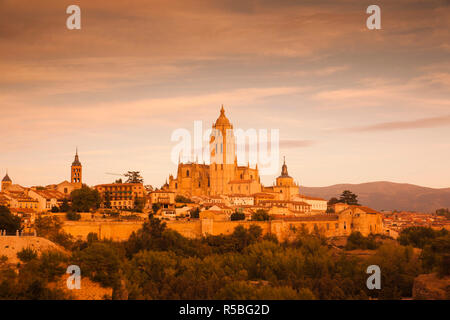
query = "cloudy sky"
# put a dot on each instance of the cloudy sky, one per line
(352, 105)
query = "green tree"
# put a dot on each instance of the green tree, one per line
(9, 222)
(357, 241)
(156, 207)
(85, 199)
(182, 199)
(51, 228)
(418, 237)
(139, 204)
(101, 262)
(133, 177)
(443, 212)
(73, 216)
(332, 201)
(65, 207)
(349, 197)
(260, 215)
(236, 216)
(195, 213)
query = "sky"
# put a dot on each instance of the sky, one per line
(352, 105)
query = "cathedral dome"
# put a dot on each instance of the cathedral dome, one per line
(284, 171)
(222, 120)
(6, 178)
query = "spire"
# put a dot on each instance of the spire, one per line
(76, 161)
(284, 171)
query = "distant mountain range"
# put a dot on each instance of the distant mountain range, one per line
(384, 195)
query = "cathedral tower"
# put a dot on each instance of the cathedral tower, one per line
(223, 155)
(285, 187)
(76, 172)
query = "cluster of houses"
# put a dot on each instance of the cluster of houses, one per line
(223, 206)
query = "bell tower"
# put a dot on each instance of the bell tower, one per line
(76, 172)
(223, 155)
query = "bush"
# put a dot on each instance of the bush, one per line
(418, 237)
(73, 216)
(236, 216)
(182, 199)
(260, 215)
(85, 199)
(357, 241)
(8, 222)
(195, 213)
(27, 254)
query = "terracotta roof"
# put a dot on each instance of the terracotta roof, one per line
(50, 194)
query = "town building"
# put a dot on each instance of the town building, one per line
(120, 195)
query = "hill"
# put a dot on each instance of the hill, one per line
(384, 195)
(10, 245)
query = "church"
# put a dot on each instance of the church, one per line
(223, 176)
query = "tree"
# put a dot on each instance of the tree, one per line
(333, 201)
(9, 222)
(195, 213)
(139, 204)
(65, 207)
(100, 262)
(85, 199)
(349, 197)
(133, 177)
(236, 216)
(73, 216)
(182, 199)
(51, 228)
(357, 241)
(260, 215)
(148, 237)
(156, 207)
(443, 212)
(419, 237)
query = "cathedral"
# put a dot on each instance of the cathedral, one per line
(223, 176)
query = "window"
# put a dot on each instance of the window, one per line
(187, 173)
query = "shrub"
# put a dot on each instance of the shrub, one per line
(73, 216)
(235, 216)
(27, 254)
(260, 215)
